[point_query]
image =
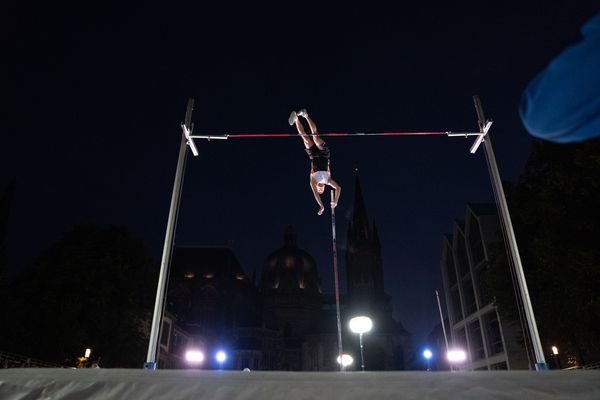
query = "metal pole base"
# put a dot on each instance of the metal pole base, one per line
(541, 366)
(150, 365)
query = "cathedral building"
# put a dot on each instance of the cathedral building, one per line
(284, 321)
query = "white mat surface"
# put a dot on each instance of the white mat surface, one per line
(133, 384)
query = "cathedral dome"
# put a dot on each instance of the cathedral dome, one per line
(289, 268)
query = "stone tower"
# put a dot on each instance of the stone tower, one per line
(364, 274)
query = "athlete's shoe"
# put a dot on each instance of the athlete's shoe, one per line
(302, 113)
(293, 118)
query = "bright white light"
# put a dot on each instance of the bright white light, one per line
(89, 351)
(457, 356)
(361, 324)
(194, 356)
(221, 356)
(346, 360)
(427, 354)
(554, 350)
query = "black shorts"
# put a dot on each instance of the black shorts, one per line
(319, 157)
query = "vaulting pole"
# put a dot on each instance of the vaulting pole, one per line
(336, 280)
(168, 246)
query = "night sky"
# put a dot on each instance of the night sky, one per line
(93, 100)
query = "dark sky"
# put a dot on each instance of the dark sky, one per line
(93, 98)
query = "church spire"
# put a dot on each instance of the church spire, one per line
(375, 234)
(364, 265)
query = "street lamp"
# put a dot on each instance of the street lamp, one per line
(556, 358)
(346, 360)
(361, 325)
(221, 357)
(82, 361)
(427, 354)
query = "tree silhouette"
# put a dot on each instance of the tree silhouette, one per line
(556, 215)
(94, 288)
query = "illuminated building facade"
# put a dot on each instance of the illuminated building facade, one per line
(491, 342)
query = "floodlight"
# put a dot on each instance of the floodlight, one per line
(194, 356)
(457, 355)
(347, 360)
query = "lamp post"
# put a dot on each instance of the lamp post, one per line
(556, 358)
(361, 325)
(427, 354)
(82, 361)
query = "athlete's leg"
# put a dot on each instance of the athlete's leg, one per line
(313, 127)
(307, 139)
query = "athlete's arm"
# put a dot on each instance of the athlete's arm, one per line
(313, 186)
(338, 190)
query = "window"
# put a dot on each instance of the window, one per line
(469, 296)
(475, 242)
(461, 255)
(289, 262)
(450, 269)
(209, 297)
(178, 343)
(499, 366)
(481, 276)
(268, 362)
(460, 338)
(456, 308)
(492, 329)
(476, 340)
(164, 335)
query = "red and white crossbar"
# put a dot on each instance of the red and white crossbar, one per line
(480, 135)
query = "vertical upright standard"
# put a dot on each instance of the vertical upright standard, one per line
(168, 246)
(337, 286)
(510, 238)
